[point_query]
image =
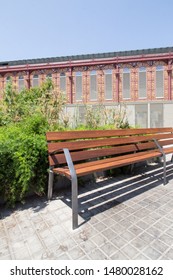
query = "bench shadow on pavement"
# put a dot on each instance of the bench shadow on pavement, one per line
(95, 198)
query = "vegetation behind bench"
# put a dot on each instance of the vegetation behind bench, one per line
(78, 153)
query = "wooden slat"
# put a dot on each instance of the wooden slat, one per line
(71, 135)
(87, 168)
(168, 150)
(89, 144)
(146, 146)
(165, 142)
(88, 154)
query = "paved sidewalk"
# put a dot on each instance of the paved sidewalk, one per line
(125, 217)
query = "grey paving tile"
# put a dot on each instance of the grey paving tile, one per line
(168, 240)
(155, 232)
(109, 233)
(159, 246)
(3, 242)
(169, 232)
(63, 257)
(119, 255)
(34, 244)
(49, 240)
(6, 257)
(108, 248)
(130, 251)
(135, 230)
(125, 223)
(165, 221)
(108, 222)
(169, 254)
(4, 252)
(99, 227)
(138, 243)
(119, 242)
(146, 237)
(76, 253)
(140, 256)
(22, 254)
(117, 228)
(87, 246)
(152, 253)
(162, 227)
(141, 224)
(127, 235)
(99, 239)
(97, 254)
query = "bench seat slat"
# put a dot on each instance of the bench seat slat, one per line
(95, 166)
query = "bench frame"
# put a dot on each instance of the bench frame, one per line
(73, 175)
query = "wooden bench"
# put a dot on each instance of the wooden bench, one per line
(78, 153)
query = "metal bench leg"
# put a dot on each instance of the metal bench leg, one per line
(50, 184)
(164, 161)
(172, 158)
(164, 170)
(74, 186)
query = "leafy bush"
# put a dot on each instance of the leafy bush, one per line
(23, 159)
(45, 99)
(24, 119)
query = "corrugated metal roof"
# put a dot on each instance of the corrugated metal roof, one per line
(87, 56)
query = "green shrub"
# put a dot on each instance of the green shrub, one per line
(23, 159)
(24, 119)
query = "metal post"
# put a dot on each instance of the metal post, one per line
(164, 160)
(50, 184)
(74, 188)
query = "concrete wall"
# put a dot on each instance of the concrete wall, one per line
(139, 114)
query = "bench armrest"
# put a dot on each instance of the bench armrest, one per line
(68, 160)
(159, 147)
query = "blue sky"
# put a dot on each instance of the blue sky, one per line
(48, 28)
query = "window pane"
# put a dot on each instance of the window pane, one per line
(159, 83)
(126, 83)
(93, 86)
(108, 84)
(35, 81)
(21, 83)
(78, 86)
(142, 83)
(49, 76)
(8, 79)
(63, 82)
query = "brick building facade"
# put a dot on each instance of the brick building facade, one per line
(131, 77)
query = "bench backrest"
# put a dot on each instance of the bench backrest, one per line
(86, 145)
